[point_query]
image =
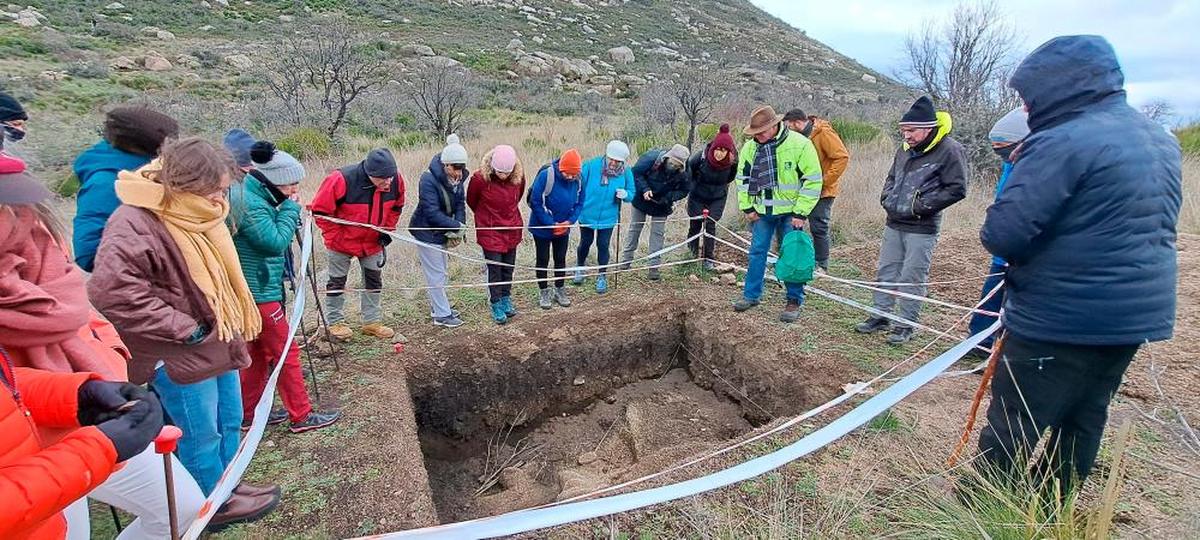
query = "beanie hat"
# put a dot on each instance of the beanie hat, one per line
(504, 158)
(920, 115)
(617, 151)
(10, 109)
(1011, 128)
(795, 114)
(238, 142)
(18, 186)
(454, 153)
(280, 168)
(571, 163)
(380, 163)
(679, 153)
(138, 130)
(724, 141)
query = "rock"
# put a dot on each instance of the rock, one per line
(587, 457)
(588, 29)
(149, 30)
(188, 61)
(204, 4)
(715, 280)
(416, 50)
(578, 69)
(602, 80)
(510, 74)
(115, 6)
(27, 22)
(287, 18)
(399, 338)
(632, 80)
(222, 3)
(515, 45)
(239, 61)
(693, 278)
(156, 62)
(579, 381)
(206, 28)
(440, 61)
(533, 65)
(867, 78)
(164, 35)
(610, 399)
(539, 40)
(665, 51)
(123, 63)
(741, 284)
(51, 75)
(621, 55)
(729, 279)
(514, 478)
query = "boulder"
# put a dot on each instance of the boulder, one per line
(515, 45)
(621, 55)
(632, 80)
(188, 61)
(578, 70)
(164, 35)
(149, 30)
(587, 29)
(287, 18)
(123, 63)
(222, 3)
(51, 75)
(602, 80)
(868, 78)
(440, 61)
(239, 61)
(115, 6)
(532, 65)
(416, 50)
(27, 22)
(206, 28)
(665, 51)
(156, 62)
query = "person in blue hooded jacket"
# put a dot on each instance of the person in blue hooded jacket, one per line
(132, 137)
(440, 221)
(1086, 223)
(555, 201)
(607, 182)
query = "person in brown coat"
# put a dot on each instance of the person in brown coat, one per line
(167, 276)
(834, 160)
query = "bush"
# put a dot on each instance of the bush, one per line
(1189, 139)
(853, 131)
(408, 139)
(21, 46)
(306, 143)
(68, 187)
(208, 58)
(94, 69)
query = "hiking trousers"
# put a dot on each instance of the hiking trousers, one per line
(904, 258)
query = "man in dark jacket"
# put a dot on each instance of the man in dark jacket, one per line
(929, 173)
(712, 170)
(660, 178)
(1087, 226)
(369, 192)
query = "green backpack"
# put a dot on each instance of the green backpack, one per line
(797, 259)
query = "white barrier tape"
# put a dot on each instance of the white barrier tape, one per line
(250, 440)
(910, 296)
(341, 221)
(528, 520)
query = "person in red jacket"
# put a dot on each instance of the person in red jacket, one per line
(493, 194)
(369, 192)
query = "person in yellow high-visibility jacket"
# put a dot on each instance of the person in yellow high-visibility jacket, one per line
(779, 182)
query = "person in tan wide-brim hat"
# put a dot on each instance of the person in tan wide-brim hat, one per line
(762, 119)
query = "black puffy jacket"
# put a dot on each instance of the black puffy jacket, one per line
(1087, 218)
(923, 183)
(709, 184)
(651, 174)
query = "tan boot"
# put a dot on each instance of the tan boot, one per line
(378, 330)
(340, 331)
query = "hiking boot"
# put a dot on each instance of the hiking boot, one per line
(654, 274)
(872, 325)
(315, 420)
(601, 284)
(708, 266)
(791, 312)
(253, 490)
(448, 322)
(242, 509)
(340, 331)
(277, 416)
(900, 335)
(560, 297)
(578, 279)
(545, 298)
(378, 330)
(510, 311)
(498, 313)
(823, 267)
(742, 304)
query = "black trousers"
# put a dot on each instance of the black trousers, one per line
(500, 274)
(603, 239)
(1063, 388)
(544, 246)
(818, 221)
(696, 207)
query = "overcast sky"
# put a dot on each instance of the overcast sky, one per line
(1157, 41)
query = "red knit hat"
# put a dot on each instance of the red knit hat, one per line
(571, 163)
(724, 141)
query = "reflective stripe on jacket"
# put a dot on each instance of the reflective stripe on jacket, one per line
(797, 173)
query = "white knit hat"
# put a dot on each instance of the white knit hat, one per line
(454, 153)
(617, 151)
(280, 168)
(1011, 128)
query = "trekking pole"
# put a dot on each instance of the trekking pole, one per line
(322, 322)
(164, 444)
(312, 369)
(620, 206)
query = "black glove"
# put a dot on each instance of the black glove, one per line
(135, 428)
(385, 239)
(99, 400)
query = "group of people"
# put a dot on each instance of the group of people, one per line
(188, 248)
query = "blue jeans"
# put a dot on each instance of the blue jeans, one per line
(210, 414)
(979, 321)
(766, 228)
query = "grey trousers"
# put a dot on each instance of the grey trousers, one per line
(637, 221)
(371, 301)
(904, 258)
(437, 273)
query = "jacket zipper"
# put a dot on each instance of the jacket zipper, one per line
(9, 377)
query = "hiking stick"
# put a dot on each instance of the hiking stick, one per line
(322, 322)
(620, 207)
(164, 444)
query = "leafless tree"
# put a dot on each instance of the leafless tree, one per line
(697, 95)
(441, 91)
(658, 106)
(1159, 111)
(319, 70)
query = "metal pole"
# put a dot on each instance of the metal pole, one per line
(116, 517)
(620, 207)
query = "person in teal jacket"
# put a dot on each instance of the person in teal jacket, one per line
(263, 216)
(132, 137)
(607, 182)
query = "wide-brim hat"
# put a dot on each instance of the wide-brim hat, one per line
(762, 119)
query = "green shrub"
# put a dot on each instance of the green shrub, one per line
(68, 187)
(208, 58)
(95, 69)
(1189, 139)
(140, 82)
(306, 143)
(853, 131)
(645, 143)
(21, 46)
(408, 139)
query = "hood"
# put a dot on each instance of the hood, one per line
(485, 168)
(436, 169)
(102, 156)
(1065, 76)
(944, 125)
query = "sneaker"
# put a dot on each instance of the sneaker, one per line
(448, 322)
(791, 312)
(578, 279)
(560, 297)
(545, 298)
(742, 304)
(900, 335)
(708, 266)
(823, 267)
(498, 313)
(315, 420)
(872, 325)
(654, 274)
(277, 416)
(340, 331)
(242, 509)
(378, 330)
(510, 311)
(453, 313)
(601, 284)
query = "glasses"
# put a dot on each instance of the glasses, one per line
(458, 167)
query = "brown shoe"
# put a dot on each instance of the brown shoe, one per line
(246, 488)
(378, 330)
(242, 509)
(340, 331)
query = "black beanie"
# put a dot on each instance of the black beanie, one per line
(920, 115)
(380, 164)
(10, 109)
(138, 130)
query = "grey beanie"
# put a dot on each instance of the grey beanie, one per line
(679, 153)
(1011, 128)
(279, 167)
(454, 153)
(380, 163)
(238, 142)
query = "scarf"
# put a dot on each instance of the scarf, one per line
(198, 228)
(43, 300)
(762, 172)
